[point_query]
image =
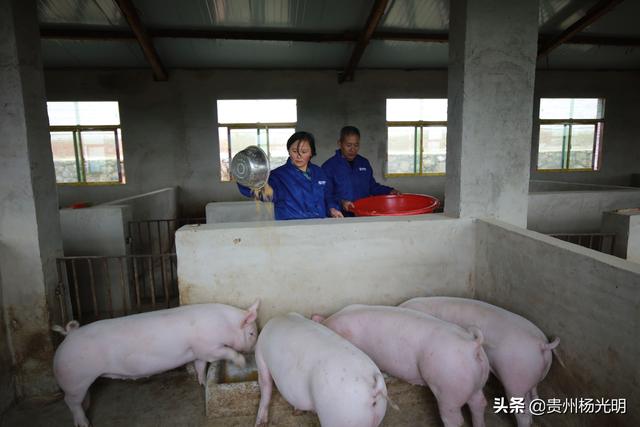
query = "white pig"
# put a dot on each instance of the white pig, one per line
(317, 370)
(145, 344)
(422, 350)
(519, 353)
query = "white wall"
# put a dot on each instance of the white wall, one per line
(625, 223)
(322, 265)
(588, 299)
(157, 204)
(245, 211)
(101, 231)
(621, 151)
(170, 131)
(98, 230)
(170, 128)
(576, 211)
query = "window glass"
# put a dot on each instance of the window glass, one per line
(64, 156)
(257, 111)
(570, 135)
(83, 113)
(401, 149)
(100, 156)
(582, 146)
(434, 154)
(86, 141)
(267, 123)
(416, 136)
(571, 108)
(552, 142)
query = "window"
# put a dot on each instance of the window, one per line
(416, 136)
(267, 123)
(86, 142)
(570, 133)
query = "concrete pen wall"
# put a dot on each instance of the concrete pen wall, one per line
(319, 266)
(577, 211)
(588, 299)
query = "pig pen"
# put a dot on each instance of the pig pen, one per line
(590, 300)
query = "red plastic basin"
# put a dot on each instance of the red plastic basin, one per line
(392, 205)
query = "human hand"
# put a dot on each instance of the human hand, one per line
(395, 192)
(347, 205)
(335, 213)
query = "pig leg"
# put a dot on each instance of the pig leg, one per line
(74, 400)
(450, 414)
(523, 419)
(266, 387)
(87, 401)
(200, 366)
(477, 405)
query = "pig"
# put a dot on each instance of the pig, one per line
(317, 370)
(519, 353)
(421, 350)
(145, 344)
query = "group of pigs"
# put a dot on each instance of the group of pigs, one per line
(327, 365)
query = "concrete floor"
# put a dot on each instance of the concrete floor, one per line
(176, 399)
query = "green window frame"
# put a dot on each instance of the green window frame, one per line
(569, 144)
(420, 166)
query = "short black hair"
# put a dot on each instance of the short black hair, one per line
(349, 130)
(303, 136)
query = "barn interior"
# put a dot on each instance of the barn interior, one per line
(520, 116)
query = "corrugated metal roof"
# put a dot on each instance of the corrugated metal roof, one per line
(187, 53)
(576, 57)
(404, 55)
(80, 12)
(305, 16)
(296, 15)
(90, 53)
(417, 15)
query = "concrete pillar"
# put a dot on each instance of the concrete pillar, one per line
(29, 222)
(492, 59)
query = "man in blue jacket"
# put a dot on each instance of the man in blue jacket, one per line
(350, 173)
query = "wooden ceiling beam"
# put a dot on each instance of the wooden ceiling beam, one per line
(131, 15)
(592, 15)
(372, 23)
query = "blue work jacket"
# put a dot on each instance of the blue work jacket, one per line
(352, 182)
(296, 196)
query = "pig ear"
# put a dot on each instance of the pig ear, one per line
(252, 314)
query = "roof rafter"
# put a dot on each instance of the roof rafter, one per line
(130, 14)
(372, 23)
(592, 15)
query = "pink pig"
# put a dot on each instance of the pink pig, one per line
(519, 353)
(317, 370)
(145, 344)
(422, 350)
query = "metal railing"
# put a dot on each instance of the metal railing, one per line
(601, 242)
(98, 287)
(156, 236)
